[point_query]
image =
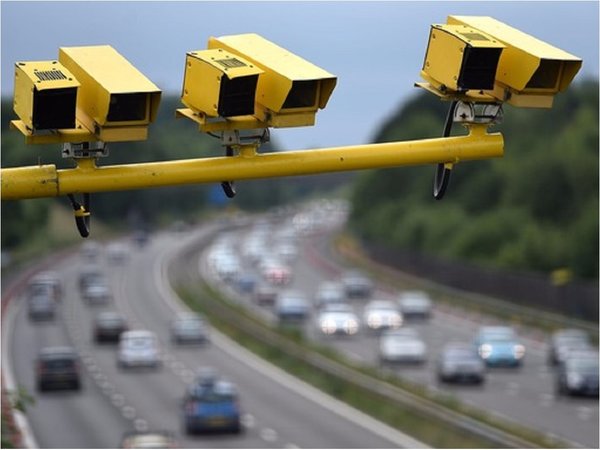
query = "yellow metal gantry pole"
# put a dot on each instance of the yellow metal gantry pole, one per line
(48, 181)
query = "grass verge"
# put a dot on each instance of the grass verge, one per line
(230, 318)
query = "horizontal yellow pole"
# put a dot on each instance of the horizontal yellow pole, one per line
(47, 181)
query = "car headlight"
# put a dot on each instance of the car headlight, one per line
(519, 351)
(574, 380)
(328, 326)
(351, 326)
(374, 321)
(396, 321)
(485, 351)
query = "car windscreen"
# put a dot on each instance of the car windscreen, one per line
(58, 364)
(138, 342)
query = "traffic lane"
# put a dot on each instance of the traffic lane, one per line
(526, 394)
(272, 404)
(154, 396)
(85, 419)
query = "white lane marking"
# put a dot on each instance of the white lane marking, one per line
(140, 425)
(99, 377)
(248, 421)
(117, 399)
(107, 387)
(268, 435)
(546, 400)
(128, 412)
(275, 373)
(290, 445)
(584, 413)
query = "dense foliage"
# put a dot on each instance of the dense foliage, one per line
(169, 139)
(534, 209)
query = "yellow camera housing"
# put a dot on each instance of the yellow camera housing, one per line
(116, 102)
(45, 96)
(219, 84)
(460, 58)
(291, 90)
(530, 72)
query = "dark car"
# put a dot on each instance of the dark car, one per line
(459, 363)
(58, 368)
(265, 295)
(41, 307)
(578, 374)
(108, 327)
(356, 284)
(212, 405)
(292, 307)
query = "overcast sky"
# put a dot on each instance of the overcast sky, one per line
(375, 49)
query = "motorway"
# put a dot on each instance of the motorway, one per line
(279, 411)
(524, 395)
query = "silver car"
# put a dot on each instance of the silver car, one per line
(189, 329)
(415, 304)
(338, 319)
(138, 348)
(382, 315)
(403, 345)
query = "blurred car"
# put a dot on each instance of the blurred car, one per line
(90, 274)
(578, 374)
(97, 293)
(565, 341)
(212, 405)
(90, 250)
(228, 267)
(276, 272)
(246, 283)
(265, 295)
(499, 346)
(402, 345)
(41, 306)
(138, 348)
(329, 292)
(189, 329)
(58, 368)
(338, 319)
(292, 306)
(415, 304)
(148, 439)
(287, 251)
(141, 238)
(117, 252)
(108, 326)
(356, 284)
(46, 282)
(460, 364)
(382, 315)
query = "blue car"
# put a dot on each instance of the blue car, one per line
(212, 405)
(499, 346)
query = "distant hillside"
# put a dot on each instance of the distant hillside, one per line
(535, 209)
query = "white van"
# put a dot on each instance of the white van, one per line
(138, 348)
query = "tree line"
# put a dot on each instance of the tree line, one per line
(535, 209)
